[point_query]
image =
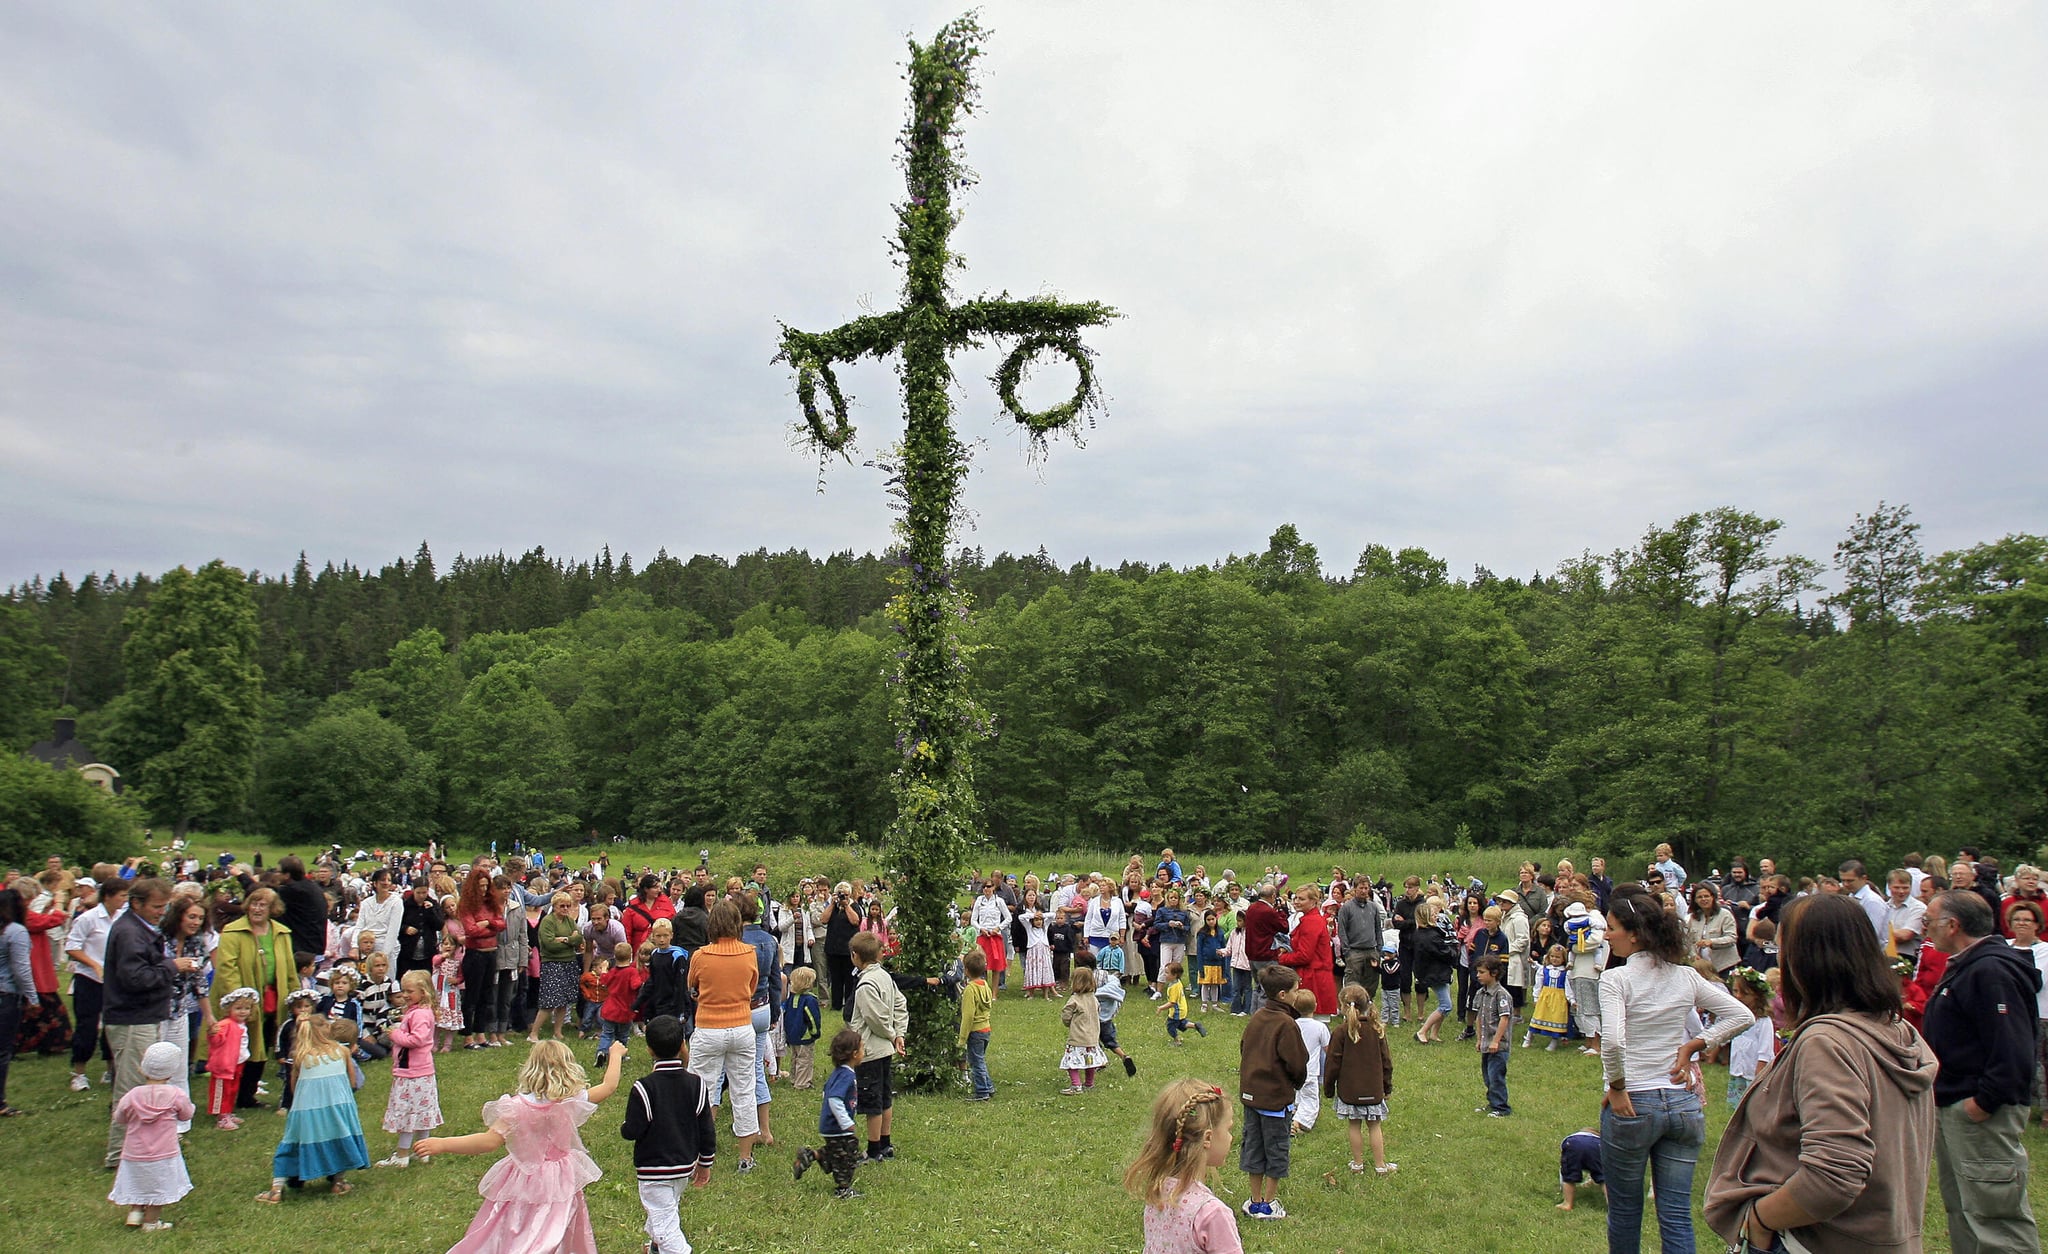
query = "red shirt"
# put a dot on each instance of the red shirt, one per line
(621, 983)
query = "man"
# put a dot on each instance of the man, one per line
(1262, 922)
(1601, 883)
(86, 946)
(1913, 862)
(1855, 883)
(305, 907)
(1360, 926)
(139, 975)
(1404, 925)
(1963, 877)
(1905, 916)
(1980, 1024)
(760, 882)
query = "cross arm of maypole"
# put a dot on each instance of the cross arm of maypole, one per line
(1040, 324)
(813, 354)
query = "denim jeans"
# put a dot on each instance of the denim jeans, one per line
(1664, 1136)
(1443, 999)
(1494, 1068)
(609, 1031)
(1240, 992)
(977, 1063)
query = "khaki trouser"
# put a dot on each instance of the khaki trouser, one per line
(129, 1042)
(1983, 1171)
(800, 1065)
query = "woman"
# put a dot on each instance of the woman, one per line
(17, 984)
(1471, 918)
(1650, 1113)
(725, 976)
(1799, 1155)
(480, 916)
(841, 922)
(1710, 932)
(649, 903)
(45, 1023)
(1435, 956)
(255, 951)
(1309, 951)
(419, 927)
(184, 928)
(561, 963)
(766, 1009)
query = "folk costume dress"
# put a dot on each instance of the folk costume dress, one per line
(1553, 1014)
(533, 1197)
(323, 1135)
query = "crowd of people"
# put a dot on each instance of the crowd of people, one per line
(1913, 1003)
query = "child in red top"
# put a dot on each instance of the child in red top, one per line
(227, 1048)
(622, 983)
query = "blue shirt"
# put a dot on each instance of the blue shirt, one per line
(801, 1019)
(843, 1087)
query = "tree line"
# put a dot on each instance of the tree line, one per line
(1697, 688)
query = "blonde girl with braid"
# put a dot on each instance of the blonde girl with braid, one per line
(1188, 1137)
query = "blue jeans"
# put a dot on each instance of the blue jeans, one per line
(1443, 999)
(1175, 1025)
(1240, 991)
(1494, 1068)
(1665, 1136)
(608, 1031)
(977, 1064)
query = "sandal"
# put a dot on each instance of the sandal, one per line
(1389, 1169)
(12, 1112)
(270, 1197)
(1358, 1168)
(342, 1186)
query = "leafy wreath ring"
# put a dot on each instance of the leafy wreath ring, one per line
(1018, 363)
(810, 371)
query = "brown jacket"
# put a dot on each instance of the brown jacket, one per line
(1361, 1071)
(1272, 1060)
(1845, 1120)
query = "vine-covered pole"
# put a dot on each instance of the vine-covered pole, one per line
(937, 719)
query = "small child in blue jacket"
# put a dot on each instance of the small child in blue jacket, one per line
(802, 1021)
(840, 1147)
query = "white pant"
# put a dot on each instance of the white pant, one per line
(661, 1199)
(728, 1054)
(1308, 1102)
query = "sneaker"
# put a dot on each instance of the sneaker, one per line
(1130, 1066)
(804, 1158)
(1389, 1169)
(106, 1077)
(1359, 1169)
(888, 1151)
(396, 1160)
(1253, 1208)
(1070, 1090)
(1274, 1210)
(1496, 1114)
(1155, 994)
(80, 1084)
(743, 1166)
(847, 1195)
(981, 1097)
(161, 1225)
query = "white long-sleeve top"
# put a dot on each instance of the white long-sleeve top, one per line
(990, 914)
(1104, 919)
(383, 919)
(1643, 1005)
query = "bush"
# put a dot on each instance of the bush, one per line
(45, 812)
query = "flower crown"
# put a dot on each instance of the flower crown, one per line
(1752, 977)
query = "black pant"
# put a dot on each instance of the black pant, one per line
(10, 1026)
(479, 990)
(85, 1004)
(840, 968)
(245, 1093)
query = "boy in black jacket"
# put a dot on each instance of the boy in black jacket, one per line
(669, 1121)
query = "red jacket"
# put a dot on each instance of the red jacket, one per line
(638, 917)
(1313, 958)
(1261, 924)
(621, 983)
(40, 960)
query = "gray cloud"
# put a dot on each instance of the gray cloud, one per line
(1504, 283)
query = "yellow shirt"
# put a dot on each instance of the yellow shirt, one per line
(1177, 997)
(975, 1004)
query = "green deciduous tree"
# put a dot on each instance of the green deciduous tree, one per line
(351, 777)
(510, 772)
(45, 811)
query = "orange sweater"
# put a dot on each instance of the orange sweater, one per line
(724, 975)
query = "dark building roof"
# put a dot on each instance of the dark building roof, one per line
(64, 751)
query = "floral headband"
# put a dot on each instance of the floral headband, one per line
(1752, 977)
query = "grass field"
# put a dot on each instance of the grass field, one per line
(1033, 1171)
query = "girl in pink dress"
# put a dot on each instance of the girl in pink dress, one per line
(1189, 1137)
(533, 1197)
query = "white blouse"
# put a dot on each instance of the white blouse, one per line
(1643, 1008)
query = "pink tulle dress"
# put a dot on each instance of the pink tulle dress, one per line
(533, 1197)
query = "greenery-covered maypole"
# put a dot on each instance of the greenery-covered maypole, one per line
(937, 719)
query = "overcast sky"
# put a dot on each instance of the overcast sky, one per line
(1507, 282)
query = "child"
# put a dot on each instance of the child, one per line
(1552, 1016)
(1578, 1156)
(448, 994)
(669, 1122)
(415, 1102)
(1209, 947)
(1062, 937)
(1272, 1065)
(323, 1135)
(1175, 1006)
(590, 990)
(976, 1002)
(342, 1003)
(1315, 1037)
(1082, 1018)
(1390, 971)
(377, 993)
(1495, 1012)
(840, 1148)
(1037, 947)
(1109, 998)
(1240, 974)
(802, 1021)
(1360, 1076)
(1188, 1139)
(1751, 1054)
(533, 1197)
(227, 1048)
(881, 1016)
(1760, 949)
(668, 972)
(308, 965)
(621, 983)
(152, 1174)
(298, 1011)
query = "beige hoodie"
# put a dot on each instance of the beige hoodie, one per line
(1845, 1120)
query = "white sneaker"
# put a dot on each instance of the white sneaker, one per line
(1274, 1210)
(80, 1084)
(396, 1160)
(106, 1077)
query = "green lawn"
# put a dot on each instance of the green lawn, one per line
(1032, 1171)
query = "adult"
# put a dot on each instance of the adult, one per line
(1905, 917)
(1263, 922)
(1799, 1155)
(420, 921)
(480, 921)
(1404, 926)
(648, 904)
(1514, 929)
(1436, 956)
(2029, 924)
(1964, 877)
(1650, 1113)
(1309, 951)
(45, 1022)
(561, 965)
(140, 974)
(185, 936)
(17, 983)
(724, 976)
(382, 913)
(1102, 916)
(693, 925)
(842, 920)
(515, 946)
(765, 1011)
(1360, 929)
(1710, 933)
(1856, 884)
(304, 904)
(1981, 1025)
(255, 951)
(990, 919)
(85, 944)
(2026, 886)
(1586, 961)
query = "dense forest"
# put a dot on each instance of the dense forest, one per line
(1696, 688)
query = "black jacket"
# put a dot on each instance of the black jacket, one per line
(305, 913)
(1436, 954)
(669, 1122)
(139, 976)
(1980, 1022)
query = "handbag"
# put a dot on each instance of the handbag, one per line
(269, 999)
